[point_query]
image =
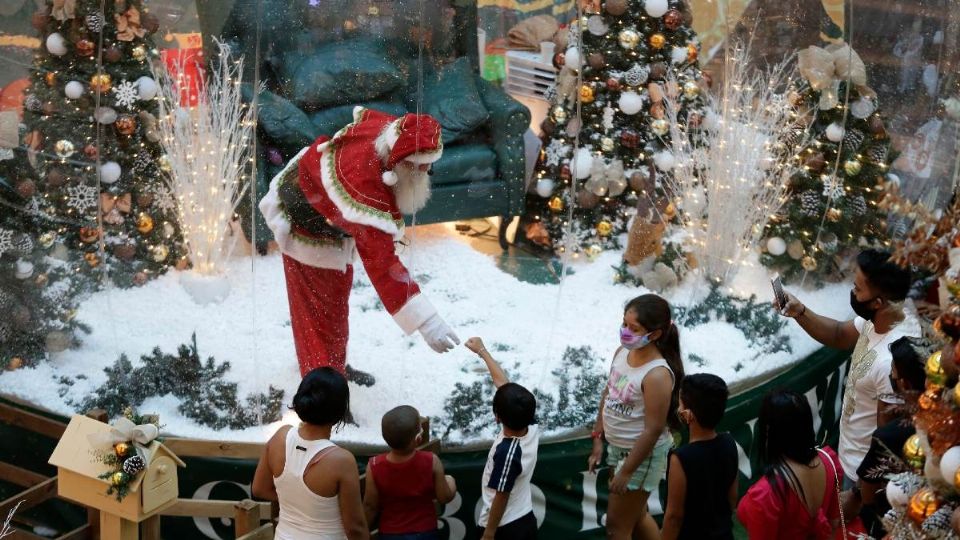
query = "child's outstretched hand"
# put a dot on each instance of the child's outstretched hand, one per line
(475, 344)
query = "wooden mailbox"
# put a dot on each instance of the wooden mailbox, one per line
(78, 469)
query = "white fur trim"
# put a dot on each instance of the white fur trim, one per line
(357, 112)
(414, 313)
(390, 178)
(319, 256)
(387, 139)
(346, 207)
(425, 157)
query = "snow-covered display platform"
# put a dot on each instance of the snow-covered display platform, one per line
(527, 326)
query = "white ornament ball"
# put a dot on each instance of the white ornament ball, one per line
(110, 172)
(655, 8)
(24, 269)
(147, 88)
(664, 160)
(581, 163)
(545, 187)
(56, 44)
(678, 55)
(776, 246)
(73, 89)
(630, 102)
(572, 58)
(896, 496)
(835, 132)
(862, 108)
(949, 463)
(105, 115)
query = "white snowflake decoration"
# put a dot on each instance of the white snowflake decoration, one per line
(82, 197)
(127, 94)
(164, 200)
(6, 241)
(833, 188)
(556, 151)
(608, 118)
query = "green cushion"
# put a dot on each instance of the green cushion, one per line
(285, 125)
(329, 121)
(336, 73)
(450, 95)
(465, 164)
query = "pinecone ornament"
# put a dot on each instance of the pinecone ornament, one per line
(878, 154)
(636, 75)
(852, 140)
(33, 103)
(937, 526)
(810, 203)
(133, 465)
(792, 138)
(7, 300)
(858, 206)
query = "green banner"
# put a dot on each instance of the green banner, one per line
(569, 502)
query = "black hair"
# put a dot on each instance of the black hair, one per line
(911, 366)
(705, 395)
(653, 312)
(323, 397)
(888, 278)
(515, 406)
(399, 426)
(785, 431)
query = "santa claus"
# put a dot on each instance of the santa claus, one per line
(342, 197)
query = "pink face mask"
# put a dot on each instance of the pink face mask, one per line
(632, 341)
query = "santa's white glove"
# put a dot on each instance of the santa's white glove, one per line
(438, 335)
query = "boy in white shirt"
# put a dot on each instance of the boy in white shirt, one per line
(507, 512)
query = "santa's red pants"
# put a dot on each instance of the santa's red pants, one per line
(319, 313)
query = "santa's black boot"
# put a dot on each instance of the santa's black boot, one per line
(359, 377)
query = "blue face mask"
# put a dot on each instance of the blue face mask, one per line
(632, 341)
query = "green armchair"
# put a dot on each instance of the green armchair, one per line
(314, 73)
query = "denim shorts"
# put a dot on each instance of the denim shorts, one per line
(650, 471)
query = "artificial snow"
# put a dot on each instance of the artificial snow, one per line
(527, 326)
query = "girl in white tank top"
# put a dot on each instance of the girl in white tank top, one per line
(304, 515)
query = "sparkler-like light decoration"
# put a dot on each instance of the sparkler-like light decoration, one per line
(731, 171)
(208, 150)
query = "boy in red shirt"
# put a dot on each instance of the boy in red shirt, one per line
(402, 484)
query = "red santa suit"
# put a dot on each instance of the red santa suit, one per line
(335, 201)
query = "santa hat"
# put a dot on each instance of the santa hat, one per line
(412, 137)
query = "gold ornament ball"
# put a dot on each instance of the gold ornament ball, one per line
(47, 239)
(922, 505)
(691, 89)
(934, 369)
(670, 212)
(15, 363)
(795, 250)
(126, 124)
(118, 479)
(929, 398)
(657, 41)
(50, 78)
(834, 215)
(593, 250)
(41, 280)
(606, 144)
(660, 126)
(64, 148)
(160, 252)
(809, 263)
(691, 52)
(586, 93)
(604, 228)
(913, 453)
(559, 114)
(139, 53)
(628, 38)
(556, 204)
(956, 395)
(144, 223)
(101, 82)
(91, 259)
(852, 167)
(122, 449)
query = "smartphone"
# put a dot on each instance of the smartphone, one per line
(778, 294)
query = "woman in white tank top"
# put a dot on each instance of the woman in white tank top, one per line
(315, 481)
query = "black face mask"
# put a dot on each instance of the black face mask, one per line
(861, 309)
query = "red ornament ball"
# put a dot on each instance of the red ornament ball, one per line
(91, 151)
(629, 138)
(56, 178)
(26, 188)
(126, 124)
(613, 84)
(85, 47)
(596, 60)
(112, 54)
(672, 20)
(658, 71)
(559, 60)
(565, 173)
(616, 7)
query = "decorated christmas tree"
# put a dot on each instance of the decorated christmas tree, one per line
(831, 210)
(91, 117)
(38, 283)
(606, 136)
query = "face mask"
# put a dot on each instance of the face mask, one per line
(861, 309)
(631, 341)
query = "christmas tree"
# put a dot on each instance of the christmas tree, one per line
(831, 210)
(605, 137)
(38, 285)
(91, 116)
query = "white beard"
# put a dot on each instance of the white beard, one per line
(412, 190)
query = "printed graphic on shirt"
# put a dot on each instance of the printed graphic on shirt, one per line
(621, 393)
(506, 465)
(860, 364)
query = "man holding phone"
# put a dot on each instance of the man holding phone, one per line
(879, 290)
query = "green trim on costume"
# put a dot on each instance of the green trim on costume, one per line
(353, 203)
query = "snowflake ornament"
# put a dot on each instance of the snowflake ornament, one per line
(833, 187)
(141, 163)
(126, 94)
(164, 200)
(608, 118)
(82, 197)
(556, 151)
(6, 241)
(636, 75)
(550, 94)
